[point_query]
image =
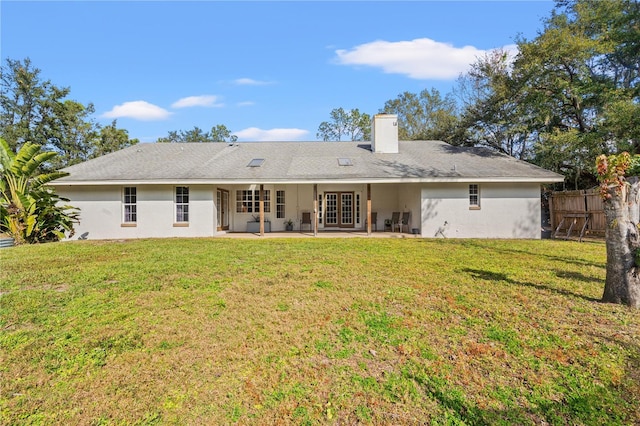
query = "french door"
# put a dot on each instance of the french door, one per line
(339, 208)
(222, 202)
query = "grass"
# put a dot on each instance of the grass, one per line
(314, 331)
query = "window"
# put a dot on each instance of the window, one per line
(248, 201)
(280, 212)
(182, 204)
(474, 196)
(130, 211)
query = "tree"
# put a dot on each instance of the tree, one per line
(111, 139)
(424, 116)
(621, 196)
(559, 89)
(577, 80)
(30, 211)
(570, 94)
(37, 111)
(493, 115)
(27, 104)
(218, 133)
(350, 125)
(172, 137)
(618, 23)
(73, 135)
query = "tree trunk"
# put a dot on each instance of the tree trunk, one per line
(623, 240)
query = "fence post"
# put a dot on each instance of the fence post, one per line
(552, 216)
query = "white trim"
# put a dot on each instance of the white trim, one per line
(183, 204)
(477, 204)
(124, 220)
(188, 182)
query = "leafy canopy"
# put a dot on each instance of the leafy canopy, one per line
(423, 116)
(345, 125)
(36, 110)
(218, 133)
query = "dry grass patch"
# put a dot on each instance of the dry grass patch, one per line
(304, 331)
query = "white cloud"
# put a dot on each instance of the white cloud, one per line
(250, 82)
(512, 51)
(420, 59)
(245, 103)
(196, 101)
(260, 135)
(138, 110)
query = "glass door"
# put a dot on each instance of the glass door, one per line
(331, 209)
(346, 209)
(222, 202)
(339, 209)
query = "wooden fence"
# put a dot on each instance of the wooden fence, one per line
(570, 209)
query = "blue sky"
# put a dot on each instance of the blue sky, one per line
(266, 70)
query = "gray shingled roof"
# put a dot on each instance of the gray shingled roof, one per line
(301, 162)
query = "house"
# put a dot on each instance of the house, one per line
(197, 190)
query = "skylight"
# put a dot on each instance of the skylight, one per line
(256, 162)
(345, 162)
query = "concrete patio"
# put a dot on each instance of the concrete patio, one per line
(321, 234)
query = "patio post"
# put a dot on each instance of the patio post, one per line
(261, 203)
(369, 209)
(315, 209)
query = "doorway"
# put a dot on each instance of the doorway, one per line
(222, 202)
(339, 208)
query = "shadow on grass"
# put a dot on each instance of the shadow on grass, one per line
(497, 276)
(580, 407)
(552, 257)
(576, 276)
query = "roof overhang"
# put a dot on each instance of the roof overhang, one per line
(344, 181)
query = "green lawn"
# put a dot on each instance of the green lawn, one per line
(314, 331)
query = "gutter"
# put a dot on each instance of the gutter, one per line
(119, 182)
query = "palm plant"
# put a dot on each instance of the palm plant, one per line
(31, 212)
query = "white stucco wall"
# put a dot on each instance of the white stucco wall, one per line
(506, 211)
(384, 201)
(409, 201)
(101, 212)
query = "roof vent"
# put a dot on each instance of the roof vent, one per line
(256, 162)
(345, 162)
